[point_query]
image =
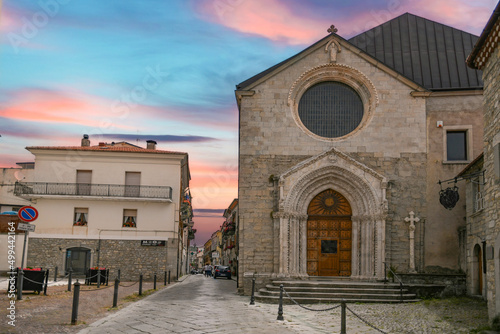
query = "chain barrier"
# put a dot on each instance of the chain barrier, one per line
(366, 322)
(307, 308)
(92, 290)
(128, 286)
(29, 280)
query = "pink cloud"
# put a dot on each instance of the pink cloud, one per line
(280, 24)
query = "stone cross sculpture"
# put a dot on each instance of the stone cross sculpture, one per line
(412, 220)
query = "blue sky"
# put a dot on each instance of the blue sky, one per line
(166, 70)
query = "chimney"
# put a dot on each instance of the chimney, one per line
(102, 144)
(85, 141)
(151, 144)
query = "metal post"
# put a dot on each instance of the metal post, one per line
(280, 307)
(252, 298)
(119, 274)
(385, 273)
(401, 290)
(169, 277)
(76, 296)
(342, 318)
(98, 277)
(55, 274)
(20, 278)
(165, 278)
(115, 292)
(69, 279)
(140, 285)
(154, 282)
(46, 282)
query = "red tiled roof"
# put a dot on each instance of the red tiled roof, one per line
(106, 148)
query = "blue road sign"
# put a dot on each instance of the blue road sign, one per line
(27, 213)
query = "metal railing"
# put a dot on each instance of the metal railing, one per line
(401, 285)
(83, 189)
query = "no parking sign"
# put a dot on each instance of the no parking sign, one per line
(27, 213)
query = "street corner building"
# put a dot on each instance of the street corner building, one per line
(116, 206)
(341, 150)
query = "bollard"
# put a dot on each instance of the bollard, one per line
(46, 283)
(165, 278)
(280, 307)
(154, 282)
(169, 277)
(119, 274)
(342, 318)
(98, 278)
(140, 285)
(252, 298)
(76, 296)
(115, 292)
(20, 278)
(69, 279)
(55, 274)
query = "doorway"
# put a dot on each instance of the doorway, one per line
(78, 260)
(329, 230)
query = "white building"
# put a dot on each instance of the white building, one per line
(112, 205)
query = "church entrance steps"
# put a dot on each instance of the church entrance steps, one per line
(333, 291)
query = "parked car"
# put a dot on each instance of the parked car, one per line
(194, 271)
(222, 271)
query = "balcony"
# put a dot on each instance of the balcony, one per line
(32, 190)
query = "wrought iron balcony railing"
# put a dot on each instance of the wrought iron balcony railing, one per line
(29, 189)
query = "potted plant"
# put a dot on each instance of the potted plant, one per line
(94, 273)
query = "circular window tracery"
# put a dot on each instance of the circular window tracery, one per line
(331, 109)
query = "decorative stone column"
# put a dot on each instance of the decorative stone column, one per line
(412, 220)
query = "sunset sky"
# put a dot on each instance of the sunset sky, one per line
(166, 70)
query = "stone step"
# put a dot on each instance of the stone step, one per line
(339, 284)
(328, 289)
(340, 295)
(313, 300)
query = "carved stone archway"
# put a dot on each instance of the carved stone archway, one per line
(362, 187)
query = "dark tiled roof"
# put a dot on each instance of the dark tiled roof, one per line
(488, 29)
(430, 54)
(426, 52)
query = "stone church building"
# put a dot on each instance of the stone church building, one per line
(341, 150)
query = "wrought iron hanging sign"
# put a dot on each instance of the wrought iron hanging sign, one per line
(449, 197)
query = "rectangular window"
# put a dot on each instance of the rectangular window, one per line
(132, 184)
(496, 160)
(81, 217)
(83, 182)
(129, 218)
(456, 146)
(477, 193)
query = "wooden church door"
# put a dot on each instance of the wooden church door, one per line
(329, 230)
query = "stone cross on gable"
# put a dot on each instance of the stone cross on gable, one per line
(332, 29)
(412, 220)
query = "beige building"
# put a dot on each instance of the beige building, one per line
(111, 205)
(341, 150)
(484, 229)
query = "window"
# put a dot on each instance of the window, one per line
(457, 146)
(496, 160)
(331, 109)
(83, 182)
(132, 184)
(81, 217)
(477, 193)
(129, 218)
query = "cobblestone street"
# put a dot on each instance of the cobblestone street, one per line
(205, 305)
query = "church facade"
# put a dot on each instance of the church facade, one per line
(341, 150)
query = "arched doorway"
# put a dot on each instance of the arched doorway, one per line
(329, 229)
(78, 260)
(477, 271)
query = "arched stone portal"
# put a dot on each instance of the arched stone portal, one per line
(362, 188)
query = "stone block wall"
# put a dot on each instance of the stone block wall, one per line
(127, 255)
(491, 73)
